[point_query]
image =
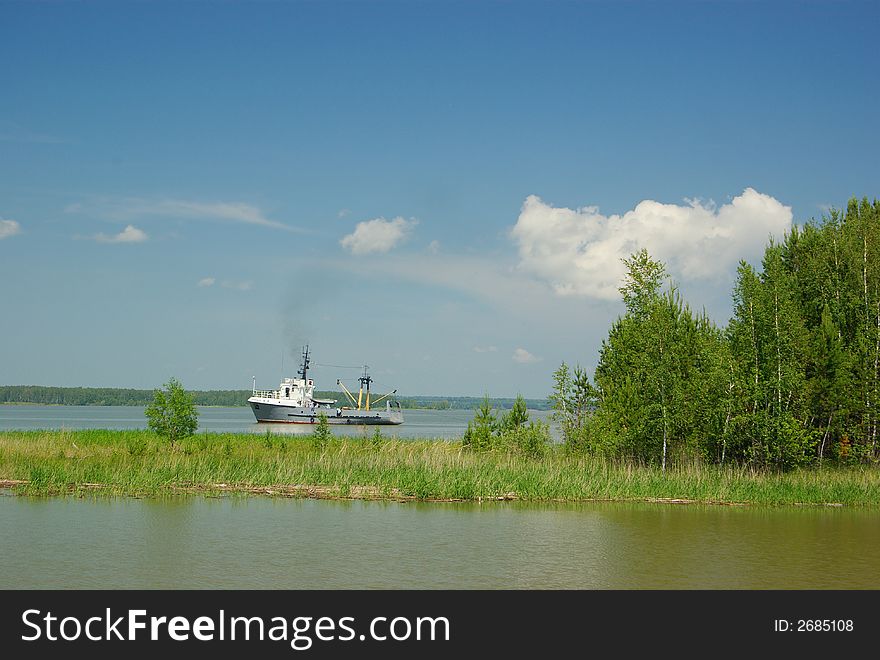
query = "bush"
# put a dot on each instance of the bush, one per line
(531, 440)
(513, 432)
(377, 440)
(322, 432)
(172, 415)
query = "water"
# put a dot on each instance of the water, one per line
(418, 423)
(304, 544)
(296, 544)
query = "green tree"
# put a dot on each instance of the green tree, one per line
(560, 398)
(656, 382)
(641, 289)
(517, 416)
(745, 340)
(573, 399)
(828, 379)
(770, 345)
(788, 350)
(481, 431)
(172, 414)
(633, 373)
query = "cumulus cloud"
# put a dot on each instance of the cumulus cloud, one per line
(377, 235)
(434, 247)
(9, 228)
(130, 234)
(522, 356)
(579, 251)
(206, 281)
(123, 208)
(485, 349)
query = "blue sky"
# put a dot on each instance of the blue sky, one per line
(440, 190)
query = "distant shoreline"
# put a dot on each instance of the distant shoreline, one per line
(120, 396)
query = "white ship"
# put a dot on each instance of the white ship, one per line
(294, 402)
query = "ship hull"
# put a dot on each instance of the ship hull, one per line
(288, 414)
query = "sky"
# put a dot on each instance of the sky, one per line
(443, 191)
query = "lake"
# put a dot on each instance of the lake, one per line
(448, 424)
(263, 543)
(257, 542)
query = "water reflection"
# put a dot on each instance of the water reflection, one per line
(304, 544)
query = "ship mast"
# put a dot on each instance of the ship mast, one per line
(365, 381)
(305, 364)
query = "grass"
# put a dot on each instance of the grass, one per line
(138, 463)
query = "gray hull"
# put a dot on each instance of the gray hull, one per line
(272, 412)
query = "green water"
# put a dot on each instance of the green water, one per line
(261, 543)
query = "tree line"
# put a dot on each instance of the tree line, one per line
(110, 396)
(792, 380)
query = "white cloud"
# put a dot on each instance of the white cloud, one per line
(579, 251)
(434, 247)
(522, 356)
(206, 281)
(232, 211)
(133, 207)
(485, 349)
(343, 212)
(130, 234)
(9, 228)
(377, 235)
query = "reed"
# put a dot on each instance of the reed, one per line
(138, 463)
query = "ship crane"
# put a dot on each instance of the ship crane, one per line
(364, 389)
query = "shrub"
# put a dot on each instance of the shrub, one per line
(531, 440)
(172, 415)
(377, 440)
(322, 432)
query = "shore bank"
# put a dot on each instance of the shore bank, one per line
(137, 463)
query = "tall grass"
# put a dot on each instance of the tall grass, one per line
(138, 463)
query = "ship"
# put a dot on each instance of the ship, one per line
(294, 402)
